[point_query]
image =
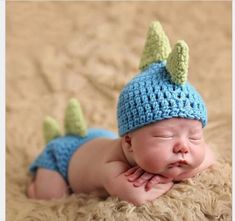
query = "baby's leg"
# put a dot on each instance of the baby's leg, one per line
(48, 184)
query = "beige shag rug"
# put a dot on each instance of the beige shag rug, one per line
(89, 50)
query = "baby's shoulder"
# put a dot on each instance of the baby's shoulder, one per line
(113, 169)
(114, 161)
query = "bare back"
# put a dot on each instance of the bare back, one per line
(86, 167)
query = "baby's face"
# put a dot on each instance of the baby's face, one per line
(169, 147)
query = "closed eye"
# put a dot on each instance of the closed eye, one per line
(164, 136)
(195, 138)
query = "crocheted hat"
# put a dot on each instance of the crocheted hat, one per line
(161, 90)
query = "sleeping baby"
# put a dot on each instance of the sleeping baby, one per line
(160, 118)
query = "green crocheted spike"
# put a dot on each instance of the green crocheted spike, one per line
(74, 120)
(177, 63)
(157, 46)
(51, 129)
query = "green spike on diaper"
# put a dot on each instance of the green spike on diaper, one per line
(74, 120)
(177, 63)
(51, 129)
(157, 46)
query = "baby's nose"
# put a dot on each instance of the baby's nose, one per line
(180, 148)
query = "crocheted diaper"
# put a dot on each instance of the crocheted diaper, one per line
(58, 152)
(160, 91)
(59, 149)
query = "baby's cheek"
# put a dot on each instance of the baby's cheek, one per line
(152, 161)
(199, 155)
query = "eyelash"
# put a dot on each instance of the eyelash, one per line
(164, 137)
(169, 137)
(195, 139)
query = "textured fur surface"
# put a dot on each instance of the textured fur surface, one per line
(59, 50)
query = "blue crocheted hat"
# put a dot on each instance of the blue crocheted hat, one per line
(160, 91)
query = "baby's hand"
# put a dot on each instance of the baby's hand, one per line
(139, 177)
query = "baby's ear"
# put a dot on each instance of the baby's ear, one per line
(127, 142)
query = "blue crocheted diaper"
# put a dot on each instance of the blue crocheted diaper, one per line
(58, 152)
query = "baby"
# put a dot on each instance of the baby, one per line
(160, 120)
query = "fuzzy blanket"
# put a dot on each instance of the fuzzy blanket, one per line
(89, 50)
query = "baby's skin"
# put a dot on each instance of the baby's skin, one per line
(138, 167)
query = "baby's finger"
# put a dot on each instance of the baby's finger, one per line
(135, 175)
(131, 170)
(157, 180)
(143, 179)
(164, 180)
(154, 180)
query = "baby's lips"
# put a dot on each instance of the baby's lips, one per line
(178, 163)
(173, 165)
(183, 162)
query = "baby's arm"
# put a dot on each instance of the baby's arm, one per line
(116, 184)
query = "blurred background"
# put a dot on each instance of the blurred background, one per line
(89, 50)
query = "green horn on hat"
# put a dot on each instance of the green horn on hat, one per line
(177, 63)
(157, 46)
(51, 129)
(75, 123)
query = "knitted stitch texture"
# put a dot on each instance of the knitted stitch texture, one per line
(51, 129)
(157, 46)
(177, 63)
(151, 96)
(75, 123)
(58, 152)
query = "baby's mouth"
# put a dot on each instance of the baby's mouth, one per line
(178, 163)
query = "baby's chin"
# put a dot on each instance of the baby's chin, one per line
(169, 172)
(172, 172)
